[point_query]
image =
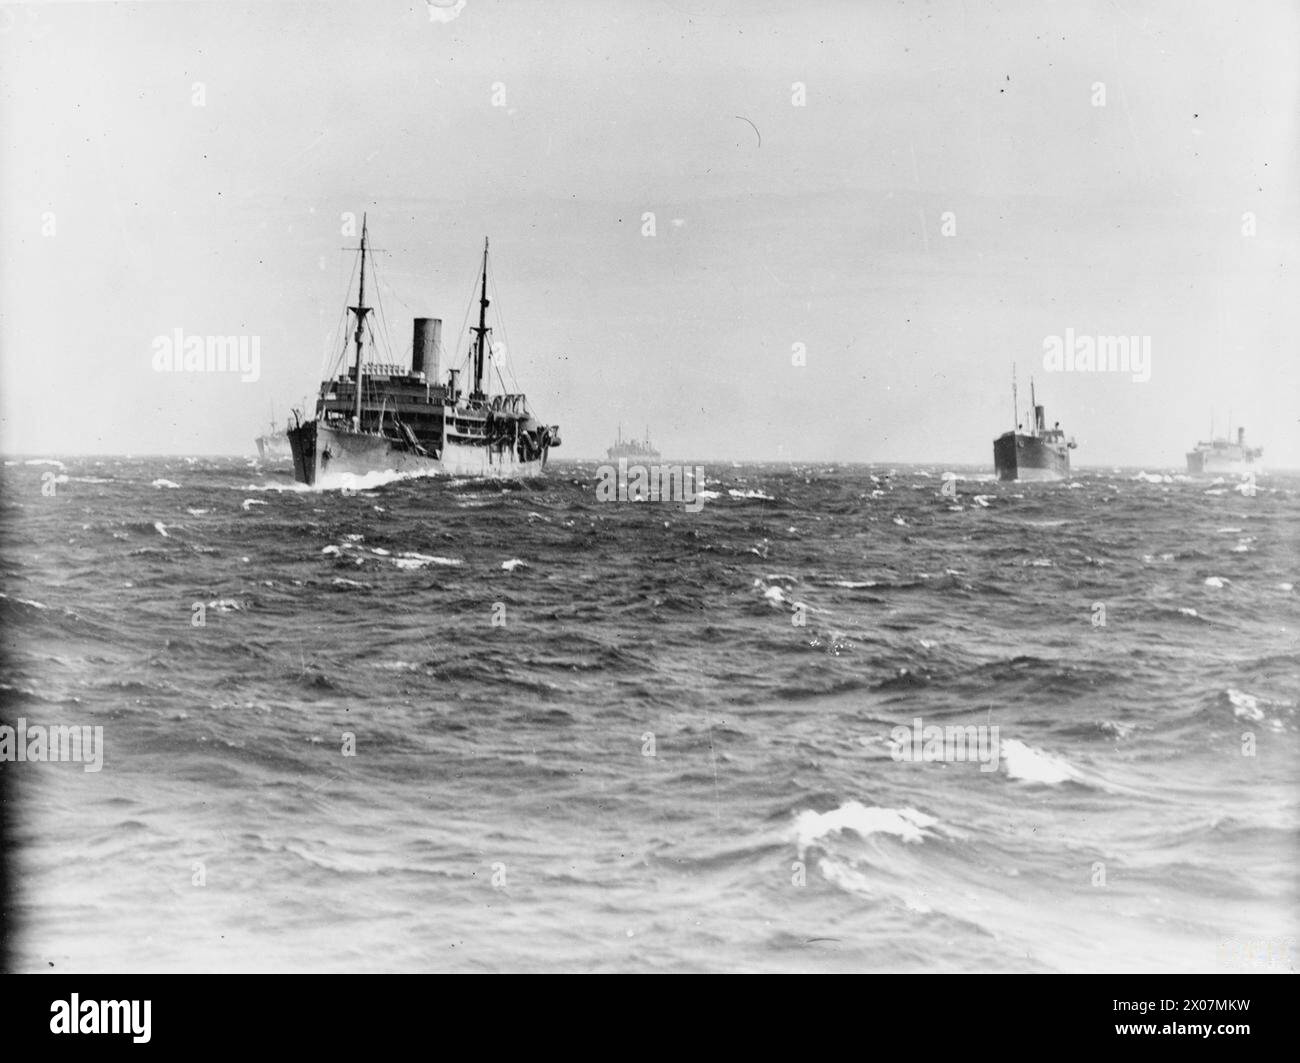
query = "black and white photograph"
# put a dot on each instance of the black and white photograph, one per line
(650, 487)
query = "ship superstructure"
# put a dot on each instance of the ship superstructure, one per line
(380, 417)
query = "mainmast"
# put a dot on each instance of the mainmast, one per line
(361, 310)
(482, 330)
(1033, 407)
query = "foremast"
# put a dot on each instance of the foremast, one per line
(482, 331)
(361, 310)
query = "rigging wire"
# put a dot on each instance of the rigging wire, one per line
(505, 336)
(379, 302)
(464, 325)
(341, 327)
(333, 353)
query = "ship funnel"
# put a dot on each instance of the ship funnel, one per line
(425, 341)
(1040, 421)
(1241, 437)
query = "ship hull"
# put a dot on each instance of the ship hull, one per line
(1029, 459)
(270, 449)
(1199, 464)
(327, 456)
(622, 453)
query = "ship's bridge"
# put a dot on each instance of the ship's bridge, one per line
(381, 369)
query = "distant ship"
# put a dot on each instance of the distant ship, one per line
(273, 444)
(1219, 456)
(1041, 454)
(408, 420)
(638, 449)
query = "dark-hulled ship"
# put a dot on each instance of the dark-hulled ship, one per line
(1220, 457)
(633, 449)
(1041, 454)
(381, 418)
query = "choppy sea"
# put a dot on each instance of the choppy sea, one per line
(456, 725)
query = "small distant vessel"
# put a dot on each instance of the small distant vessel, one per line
(1220, 457)
(273, 444)
(382, 417)
(633, 449)
(1041, 454)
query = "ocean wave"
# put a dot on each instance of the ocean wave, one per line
(906, 823)
(1254, 708)
(372, 480)
(1035, 766)
(291, 486)
(24, 601)
(413, 560)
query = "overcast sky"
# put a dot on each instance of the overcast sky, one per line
(950, 194)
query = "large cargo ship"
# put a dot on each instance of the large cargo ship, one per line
(379, 418)
(633, 449)
(1041, 454)
(1220, 457)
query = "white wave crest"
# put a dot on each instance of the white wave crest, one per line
(1033, 765)
(1245, 706)
(412, 560)
(294, 486)
(906, 823)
